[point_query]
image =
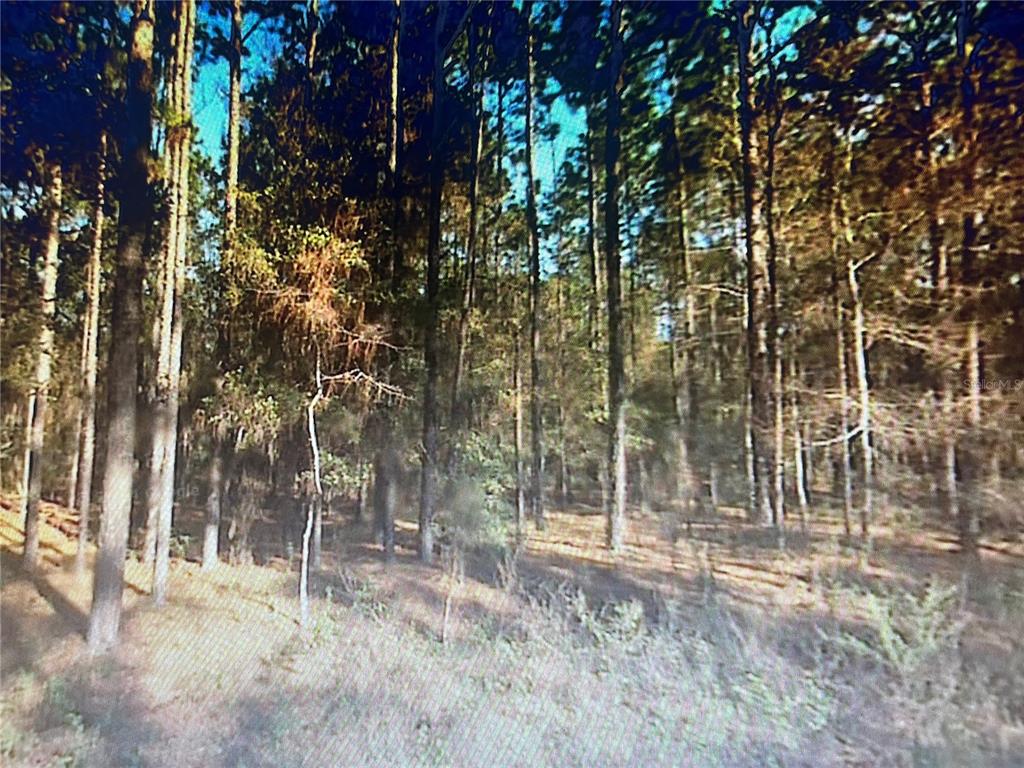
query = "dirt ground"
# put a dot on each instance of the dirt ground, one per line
(196, 676)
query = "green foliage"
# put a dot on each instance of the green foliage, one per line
(474, 519)
(908, 630)
(244, 406)
(359, 594)
(342, 474)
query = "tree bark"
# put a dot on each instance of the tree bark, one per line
(211, 531)
(90, 359)
(44, 363)
(234, 125)
(799, 466)
(385, 498)
(164, 291)
(683, 329)
(395, 116)
(860, 353)
(968, 522)
(135, 214)
(842, 376)
(756, 268)
(307, 532)
(564, 490)
(616, 511)
(536, 416)
(517, 415)
(457, 411)
(428, 474)
(178, 247)
(775, 348)
(593, 246)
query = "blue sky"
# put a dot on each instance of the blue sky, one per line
(210, 105)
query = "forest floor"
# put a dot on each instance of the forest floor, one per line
(700, 645)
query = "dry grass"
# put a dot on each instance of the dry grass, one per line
(704, 650)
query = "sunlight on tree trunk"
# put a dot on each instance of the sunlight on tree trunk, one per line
(44, 364)
(134, 219)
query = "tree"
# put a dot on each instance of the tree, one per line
(746, 17)
(536, 415)
(428, 471)
(134, 216)
(616, 511)
(90, 360)
(160, 507)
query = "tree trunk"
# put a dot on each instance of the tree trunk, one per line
(563, 464)
(593, 247)
(385, 498)
(517, 415)
(90, 358)
(536, 417)
(799, 467)
(775, 361)
(317, 510)
(164, 292)
(135, 214)
(215, 493)
(756, 270)
(307, 532)
(968, 522)
(860, 360)
(428, 474)
(616, 511)
(457, 412)
(168, 427)
(44, 363)
(234, 124)
(211, 531)
(681, 361)
(842, 376)
(864, 400)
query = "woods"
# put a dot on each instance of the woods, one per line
(449, 272)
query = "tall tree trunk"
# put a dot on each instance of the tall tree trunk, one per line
(218, 445)
(385, 498)
(385, 460)
(564, 483)
(716, 377)
(517, 416)
(457, 412)
(211, 531)
(593, 247)
(90, 359)
(234, 125)
(164, 290)
(536, 417)
(799, 466)
(859, 333)
(135, 214)
(842, 376)
(318, 489)
(756, 268)
(26, 454)
(864, 399)
(168, 423)
(616, 511)
(428, 474)
(395, 127)
(44, 363)
(775, 361)
(939, 258)
(316, 509)
(683, 329)
(968, 522)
